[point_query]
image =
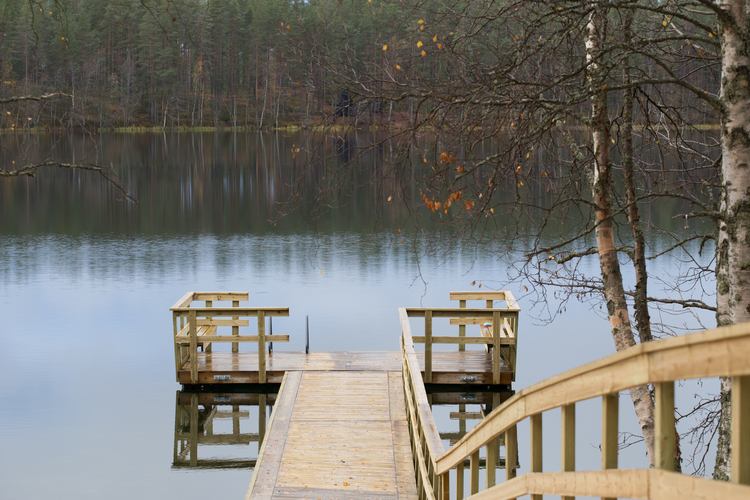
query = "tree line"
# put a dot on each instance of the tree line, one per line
(257, 63)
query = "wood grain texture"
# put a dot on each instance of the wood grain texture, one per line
(344, 435)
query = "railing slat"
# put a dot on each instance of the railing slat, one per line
(741, 430)
(535, 422)
(261, 347)
(664, 430)
(568, 432)
(428, 346)
(474, 473)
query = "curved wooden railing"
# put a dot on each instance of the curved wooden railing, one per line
(425, 439)
(723, 352)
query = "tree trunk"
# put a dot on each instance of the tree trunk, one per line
(733, 248)
(614, 292)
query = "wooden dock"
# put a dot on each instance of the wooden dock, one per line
(337, 434)
(448, 367)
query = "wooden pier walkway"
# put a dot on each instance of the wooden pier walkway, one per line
(337, 434)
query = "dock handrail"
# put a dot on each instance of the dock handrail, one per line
(722, 352)
(501, 336)
(425, 438)
(510, 324)
(194, 325)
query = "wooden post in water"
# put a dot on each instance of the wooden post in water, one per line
(261, 347)
(194, 430)
(261, 417)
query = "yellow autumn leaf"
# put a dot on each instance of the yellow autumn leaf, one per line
(424, 53)
(398, 67)
(419, 44)
(434, 38)
(385, 47)
(663, 23)
(440, 46)
(421, 21)
(390, 198)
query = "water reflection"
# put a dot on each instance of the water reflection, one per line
(206, 420)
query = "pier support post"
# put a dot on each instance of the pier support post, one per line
(568, 432)
(741, 430)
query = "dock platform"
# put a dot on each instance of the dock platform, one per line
(337, 434)
(448, 367)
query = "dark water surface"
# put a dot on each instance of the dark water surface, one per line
(87, 392)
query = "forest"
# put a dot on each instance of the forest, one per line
(271, 63)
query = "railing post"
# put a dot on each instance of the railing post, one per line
(568, 431)
(474, 473)
(177, 349)
(462, 328)
(445, 486)
(428, 347)
(664, 442)
(741, 430)
(536, 446)
(208, 347)
(610, 416)
(496, 348)
(511, 452)
(460, 481)
(235, 329)
(261, 347)
(193, 347)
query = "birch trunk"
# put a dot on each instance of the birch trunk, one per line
(614, 292)
(733, 248)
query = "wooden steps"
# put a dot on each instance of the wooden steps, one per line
(337, 434)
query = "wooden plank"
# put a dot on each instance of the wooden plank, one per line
(741, 430)
(498, 295)
(450, 312)
(235, 329)
(419, 339)
(234, 311)
(238, 338)
(664, 430)
(223, 322)
(221, 296)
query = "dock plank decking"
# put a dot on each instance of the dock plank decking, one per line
(242, 367)
(337, 434)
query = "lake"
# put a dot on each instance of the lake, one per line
(88, 404)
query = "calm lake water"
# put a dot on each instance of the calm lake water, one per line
(87, 399)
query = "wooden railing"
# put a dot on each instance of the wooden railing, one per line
(198, 326)
(501, 337)
(426, 444)
(724, 352)
(510, 322)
